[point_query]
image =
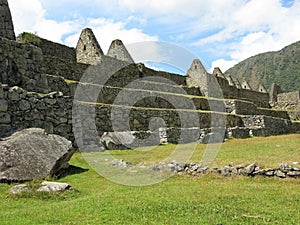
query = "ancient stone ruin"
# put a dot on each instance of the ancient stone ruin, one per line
(39, 79)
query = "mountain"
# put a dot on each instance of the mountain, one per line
(281, 67)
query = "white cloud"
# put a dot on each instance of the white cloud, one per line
(189, 8)
(257, 27)
(222, 64)
(31, 18)
(107, 30)
(253, 44)
(237, 29)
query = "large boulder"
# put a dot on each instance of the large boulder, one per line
(33, 154)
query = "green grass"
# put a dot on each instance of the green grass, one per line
(209, 199)
(268, 152)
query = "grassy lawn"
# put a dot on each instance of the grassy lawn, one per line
(267, 152)
(209, 199)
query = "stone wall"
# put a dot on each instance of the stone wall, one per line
(49, 48)
(248, 108)
(258, 98)
(6, 24)
(289, 97)
(88, 50)
(118, 51)
(274, 113)
(67, 69)
(216, 85)
(128, 119)
(261, 125)
(22, 65)
(289, 102)
(20, 109)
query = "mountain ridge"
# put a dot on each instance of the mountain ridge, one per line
(281, 67)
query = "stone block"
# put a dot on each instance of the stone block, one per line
(24, 105)
(5, 118)
(3, 105)
(1, 91)
(240, 132)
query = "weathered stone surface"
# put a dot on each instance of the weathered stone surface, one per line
(17, 189)
(5, 118)
(1, 92)
(88, 49)
(45, 186)
(269, 172)
(211, 138)
(48, 186)
(6, 24)
(118, 51)
(293, 173)
(24, 105)
(33, 154)
(240, 132)
(280, 174)
(250, 169)
(266, 125)
(116, 140)
(3, 105)
(285, 167)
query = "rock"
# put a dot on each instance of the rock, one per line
(116, 140)
(5, 118)
(1, 92)
(240, 132)
(17, 189)
(48, 186)
(33, 154)
(212, 138)
(293, 173)
(24, 105)
(285, 167)
(3, 105)
(227, 171)
(250, 169)
(280, 174)
(269, 172)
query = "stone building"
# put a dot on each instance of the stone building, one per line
(118, 51)
(39, 79)
(88, 50)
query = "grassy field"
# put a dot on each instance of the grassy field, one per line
(209, 199)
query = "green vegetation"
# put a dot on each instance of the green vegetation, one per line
(267, 152)
(281, 67)
(29, 38)
(209, 199)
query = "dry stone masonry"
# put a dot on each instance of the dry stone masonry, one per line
(284, 170)
(88, 49)
(6, 24)
(117, 50)
(39, 80)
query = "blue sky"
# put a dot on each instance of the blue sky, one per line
(220, 32)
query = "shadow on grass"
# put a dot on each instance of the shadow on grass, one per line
(71, 170)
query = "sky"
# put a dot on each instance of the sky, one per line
(220, 32)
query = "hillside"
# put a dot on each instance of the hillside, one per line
(281, 67)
